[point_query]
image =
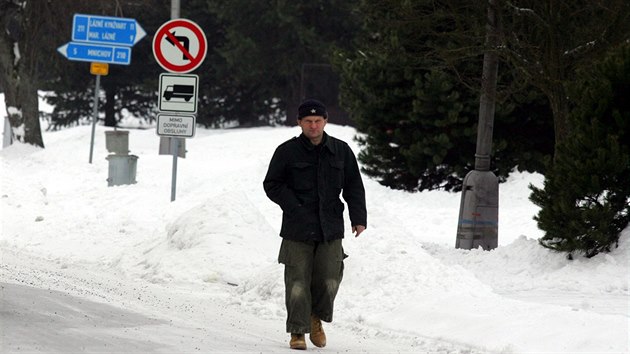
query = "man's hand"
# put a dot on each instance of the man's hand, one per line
(358, 229)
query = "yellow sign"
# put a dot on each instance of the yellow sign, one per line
(99, 68)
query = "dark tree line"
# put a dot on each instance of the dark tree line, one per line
(251, 75)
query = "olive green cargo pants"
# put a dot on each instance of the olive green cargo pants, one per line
(312, 274)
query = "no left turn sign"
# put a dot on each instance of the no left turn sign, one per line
(180, 46)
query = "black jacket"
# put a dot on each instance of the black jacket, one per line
(306, 181)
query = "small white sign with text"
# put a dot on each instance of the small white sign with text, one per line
(176, 125)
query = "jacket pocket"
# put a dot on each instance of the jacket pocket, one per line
(292, 253)
(302, 175)
(283, 255)
(336, 173)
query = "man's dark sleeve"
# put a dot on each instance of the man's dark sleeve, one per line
(353, 190)
(275, 183)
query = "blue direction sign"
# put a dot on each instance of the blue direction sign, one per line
(96, 53)
(106, 30)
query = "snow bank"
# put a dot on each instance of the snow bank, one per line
(403, 273)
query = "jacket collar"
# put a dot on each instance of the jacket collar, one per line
(326, 143)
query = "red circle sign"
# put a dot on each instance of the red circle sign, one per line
(179, 46)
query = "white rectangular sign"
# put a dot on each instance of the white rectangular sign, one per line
(176, 126)
(178, 93)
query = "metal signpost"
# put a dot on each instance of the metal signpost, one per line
(101, 39)
(179, 46)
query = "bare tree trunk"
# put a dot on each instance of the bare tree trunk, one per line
(560, 108)
(18, 75)
(20, 97)
(110, 106)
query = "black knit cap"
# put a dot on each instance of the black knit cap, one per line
(311, 107)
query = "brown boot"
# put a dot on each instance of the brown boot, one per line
(297, 341)
(317, 336)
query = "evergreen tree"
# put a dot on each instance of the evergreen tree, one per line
(550, 41)
(585, 201)
(418, 114)
(414, 124)
(265, 43)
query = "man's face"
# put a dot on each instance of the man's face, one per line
(313, 127)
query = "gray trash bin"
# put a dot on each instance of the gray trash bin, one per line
(117, 142)
(122, 169)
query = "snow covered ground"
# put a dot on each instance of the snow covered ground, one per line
(91, 268)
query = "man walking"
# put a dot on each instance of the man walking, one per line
(306, 175)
